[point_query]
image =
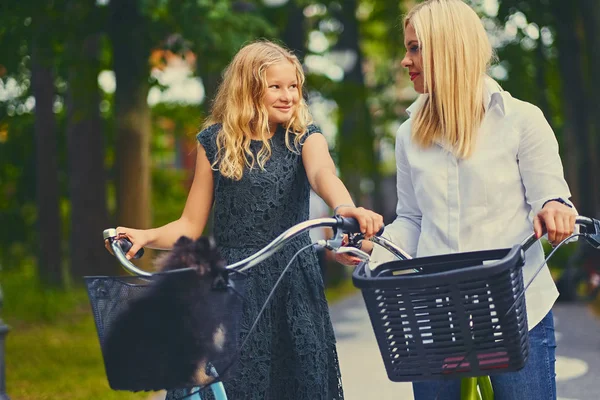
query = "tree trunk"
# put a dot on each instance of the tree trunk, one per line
(294, 34)
(85, 147)
(128, 33)
(570, 58)
(47, 185)
(356, 141)
(591, 25)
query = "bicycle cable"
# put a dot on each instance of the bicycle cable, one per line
(254, 324)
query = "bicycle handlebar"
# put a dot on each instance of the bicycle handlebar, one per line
(592, 227)
(340, 225)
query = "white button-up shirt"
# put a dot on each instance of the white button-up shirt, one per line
(487, 201)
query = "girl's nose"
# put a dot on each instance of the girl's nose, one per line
(406, 61)
(285, 95)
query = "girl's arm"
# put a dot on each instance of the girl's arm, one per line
(193, 219)
(323, 179)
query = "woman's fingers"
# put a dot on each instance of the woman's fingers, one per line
(557, 219)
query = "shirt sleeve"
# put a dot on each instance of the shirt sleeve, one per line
(406, 228)
(540, 165)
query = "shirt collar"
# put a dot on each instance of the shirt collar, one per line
(492, 95)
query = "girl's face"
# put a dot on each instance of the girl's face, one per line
(413, 60)
(282, 94)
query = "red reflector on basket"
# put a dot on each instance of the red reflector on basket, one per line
(497, 359)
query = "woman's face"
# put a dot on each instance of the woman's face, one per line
(413, 60)
(282, 94)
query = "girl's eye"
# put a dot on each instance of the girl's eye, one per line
(294, 86)
(414, 49)
(274, 86)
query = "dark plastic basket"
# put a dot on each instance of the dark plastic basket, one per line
(134, 368)
(454, 318)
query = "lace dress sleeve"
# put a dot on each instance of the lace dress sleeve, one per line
(208, 139)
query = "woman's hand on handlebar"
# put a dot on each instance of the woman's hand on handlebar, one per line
(138, 237)
(557, 219)
(370, 222)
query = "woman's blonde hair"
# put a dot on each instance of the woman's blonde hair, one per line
(456, 55)
(238, 106)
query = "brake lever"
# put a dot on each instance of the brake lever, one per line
(353, 251)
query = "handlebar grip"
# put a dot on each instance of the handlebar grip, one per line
(125, 244)
(350, 225)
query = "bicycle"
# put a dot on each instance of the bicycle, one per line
(463, 313)
(111, 298)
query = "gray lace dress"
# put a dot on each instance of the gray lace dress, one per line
(291, 354)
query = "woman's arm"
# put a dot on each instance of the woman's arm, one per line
(193, 219)
(323, 179)
(543, 178)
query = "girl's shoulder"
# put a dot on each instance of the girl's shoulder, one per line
(210, 132)
(310, 129)
(207, 137)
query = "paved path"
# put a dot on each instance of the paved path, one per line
(364, 377)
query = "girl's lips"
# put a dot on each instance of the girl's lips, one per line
(413, 75)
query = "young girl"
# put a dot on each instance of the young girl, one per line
(258, 157)
(474, 165)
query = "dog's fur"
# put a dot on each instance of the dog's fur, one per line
(166, 336)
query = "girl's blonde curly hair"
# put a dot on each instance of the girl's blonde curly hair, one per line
(238, 107)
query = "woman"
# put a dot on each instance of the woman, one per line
(477, 169)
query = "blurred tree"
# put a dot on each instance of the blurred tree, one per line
(47, 180)
(131, 35)
(357, 159)
(85, 141)
(591, 27)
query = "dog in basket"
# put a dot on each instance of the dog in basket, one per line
(168, 336)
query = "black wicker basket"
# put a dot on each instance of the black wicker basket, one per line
(460, 315)
(165, 342)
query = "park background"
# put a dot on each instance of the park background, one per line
(100, 101)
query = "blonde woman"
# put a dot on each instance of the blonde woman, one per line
(258, 157)
(477, 169)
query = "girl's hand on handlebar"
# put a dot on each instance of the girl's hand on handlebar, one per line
(370, 222)
(138, 237)
(557, 219)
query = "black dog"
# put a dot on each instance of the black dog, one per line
(170, 335)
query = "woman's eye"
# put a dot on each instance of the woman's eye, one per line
(414, 49)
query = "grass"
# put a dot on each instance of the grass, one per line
(52, 350)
